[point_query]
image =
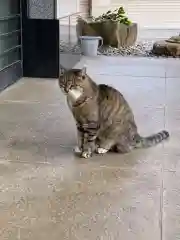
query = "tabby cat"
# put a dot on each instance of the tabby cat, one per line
(103, 117)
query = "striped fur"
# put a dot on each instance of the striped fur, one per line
(104, 119)
(145, 142)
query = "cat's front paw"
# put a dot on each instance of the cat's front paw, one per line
(86, 154)
(101, 150)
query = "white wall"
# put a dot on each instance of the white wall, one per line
(66, 7)
(147, 13)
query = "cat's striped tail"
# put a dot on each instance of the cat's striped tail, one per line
(145, 142)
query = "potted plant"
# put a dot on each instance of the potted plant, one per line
(114, 27)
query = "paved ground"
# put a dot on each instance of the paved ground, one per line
(156, 34)
(47, 193)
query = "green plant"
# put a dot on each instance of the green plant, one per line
(118, 15)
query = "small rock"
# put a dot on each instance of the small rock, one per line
(166, 48)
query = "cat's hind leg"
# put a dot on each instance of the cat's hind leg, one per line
(115, 140)
(105, 146)
(101, 150)
(107, 140)
(119, 148)
(77, 150)
(124, 145)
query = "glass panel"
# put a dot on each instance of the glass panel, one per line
(9, 7)
(9, 41)
(10, 57)
(10, 35)
(9, 25)
(41, 9)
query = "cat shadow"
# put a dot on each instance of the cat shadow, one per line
(48, 148)
(52, 149)
(114, 159)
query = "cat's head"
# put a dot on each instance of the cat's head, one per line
(72, 79)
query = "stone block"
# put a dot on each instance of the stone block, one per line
(113, 33)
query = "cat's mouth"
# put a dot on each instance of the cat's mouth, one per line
(74, 93)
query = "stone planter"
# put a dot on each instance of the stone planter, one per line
(113, 33)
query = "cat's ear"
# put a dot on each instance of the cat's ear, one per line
(80, 72)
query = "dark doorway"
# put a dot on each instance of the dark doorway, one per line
(40, 46)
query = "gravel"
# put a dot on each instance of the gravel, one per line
(142, 48)
(65, 47)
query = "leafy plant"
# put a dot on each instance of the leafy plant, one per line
(118, 15)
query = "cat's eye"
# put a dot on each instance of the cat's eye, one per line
(61, 71)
